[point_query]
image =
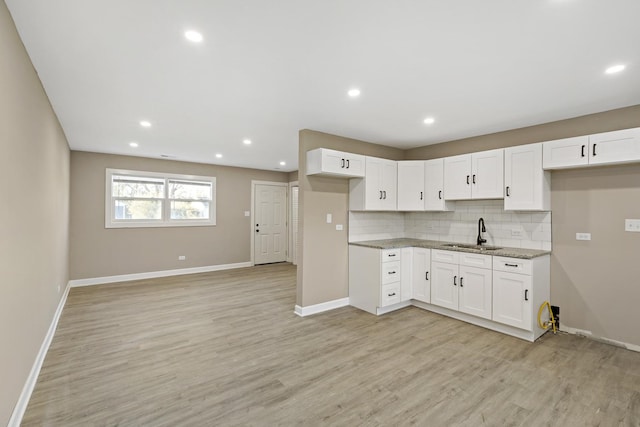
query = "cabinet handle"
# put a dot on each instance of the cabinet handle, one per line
(508, 194)
(594, 150)
(385, 194)
(347, 163)
(421, 195)
(391, 272)
(582, 150)
(506, 264)
(426, 275)
(391, 295)
(467, 179)
(454, 280)
(390, 255)
(440, 194)
(342, 163)
(461, 282)
(474, 178)
(380, 195)
(526, 294)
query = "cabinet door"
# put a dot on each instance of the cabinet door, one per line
(323, 161)
(434, 186)
(487, 174)
(373, 184)
(389, 179)
(475, 291)
(527, 186)
(354, 164)
(565, 153)
(512, 299)
(411, 184)
(621, 146)
(457, 177)
(421, 277)
(444, 285)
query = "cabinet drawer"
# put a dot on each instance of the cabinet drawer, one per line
(390, 272)
(475, 260)
(512, 265)
(390, 294)
(445, 256)
(390, 255)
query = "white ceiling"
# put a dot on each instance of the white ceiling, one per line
(267, 69)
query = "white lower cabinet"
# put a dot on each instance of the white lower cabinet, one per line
(511, 299)
(462, 282)
(421, 275)
(520, 286)
(375, 283)
(499, 293)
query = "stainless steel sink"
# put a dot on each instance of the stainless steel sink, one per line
(476, 247)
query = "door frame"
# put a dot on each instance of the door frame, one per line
(253, 213)
(289, 218)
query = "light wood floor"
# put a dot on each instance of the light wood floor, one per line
(225, 348)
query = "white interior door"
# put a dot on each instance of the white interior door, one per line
(270, 228)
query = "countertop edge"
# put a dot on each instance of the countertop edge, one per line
(508, 252)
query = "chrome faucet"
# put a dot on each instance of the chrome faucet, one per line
(481, 230)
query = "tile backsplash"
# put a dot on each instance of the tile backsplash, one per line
(531, 230)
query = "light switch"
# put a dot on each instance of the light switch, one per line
(339, 227)
(632, 225)
(583, 236)
(329, 218)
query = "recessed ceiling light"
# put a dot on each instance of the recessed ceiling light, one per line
(193, 36)
(354, 92)
(219, 156)
(283, 163)
(429, 121)
(615, 69)
(246, 141)
(145, 124)
(133, 144)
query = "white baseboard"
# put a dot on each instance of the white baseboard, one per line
(153, 274)
(319, 308)
(589, 334)
(30, 384)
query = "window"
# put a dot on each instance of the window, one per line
(148, 199)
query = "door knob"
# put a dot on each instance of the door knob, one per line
(257, 231)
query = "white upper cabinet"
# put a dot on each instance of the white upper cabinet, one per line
(565, 153)
(411, 185)
(527, 185)
(323, 161)
(474, 176)
(378, 190)
(434, 186)
(457, 177)
(621, 146)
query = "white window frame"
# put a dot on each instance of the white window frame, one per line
(166, 221)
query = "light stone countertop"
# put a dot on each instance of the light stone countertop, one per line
(434, 244)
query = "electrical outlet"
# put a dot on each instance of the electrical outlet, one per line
(632, 225)
(339, 227)
(182, 258)
(583, 236)
(516, 233)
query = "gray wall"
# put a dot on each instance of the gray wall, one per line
(98, 252)
(34, 218)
